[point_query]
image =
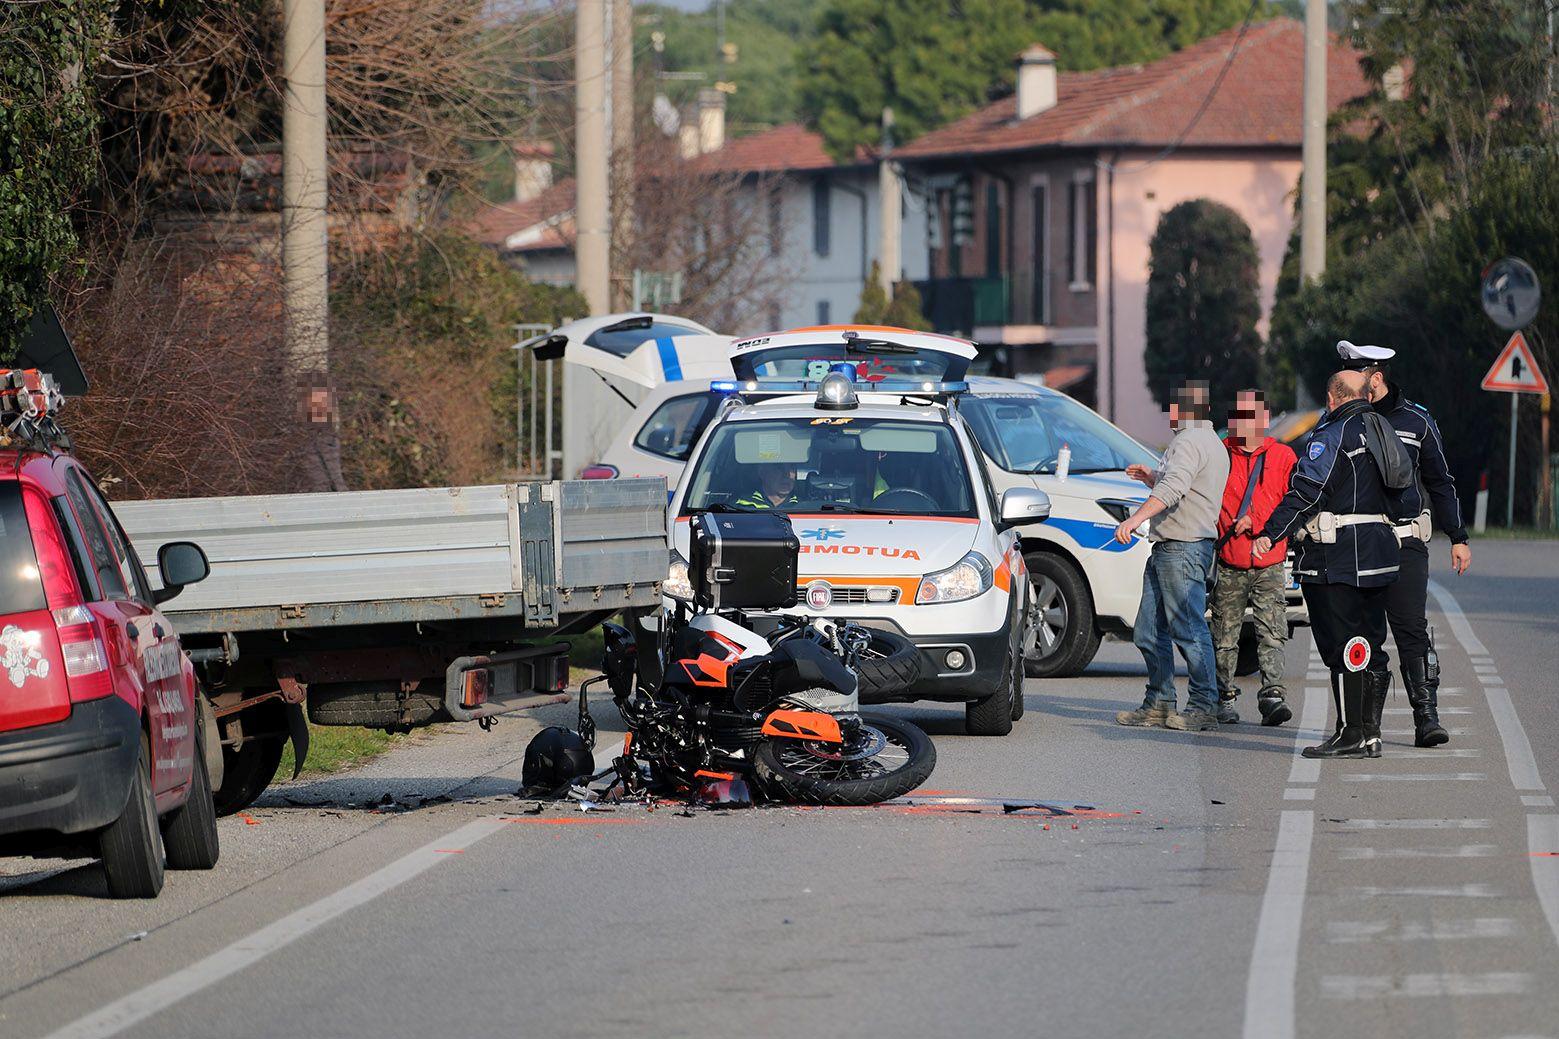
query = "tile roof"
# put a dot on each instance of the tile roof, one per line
(1258, 104)
(551, 213)
(790, 148)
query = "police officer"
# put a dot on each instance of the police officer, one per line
(1337, 508)
(1429, 503)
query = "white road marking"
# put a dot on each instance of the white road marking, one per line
(1301, 793)
(1354, 986)
(1518, 751)
(1465, 851)
(1417, 824)
(1457, 620)
(1312, 723)
(1489, 680)
(1350, 931)
(1414, 777)
(143, 1003)
(1537, 800)
(1436, 753)
(1443, 710)
(1274, 961)
(1543, 849)
(1454, 891)
(1410, 732)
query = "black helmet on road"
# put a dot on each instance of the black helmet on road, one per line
(555, 758)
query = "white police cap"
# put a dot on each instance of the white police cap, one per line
(1357, 358)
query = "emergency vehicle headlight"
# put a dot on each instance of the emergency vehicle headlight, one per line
(836, 392)
(677, 584)
(970, 576)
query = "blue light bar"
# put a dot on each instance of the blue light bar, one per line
(909, 387)
(844, 368)
(722, 386)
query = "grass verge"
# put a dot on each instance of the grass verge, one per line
(336, 748)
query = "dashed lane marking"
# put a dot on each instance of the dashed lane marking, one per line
(1355, 986)
(1543, 842)
(1345, 932)
(1416, 824)
(1537, 800)
(1447, 891)
(1465, 851)
(1414, 777)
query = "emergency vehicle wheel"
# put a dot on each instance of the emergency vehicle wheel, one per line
(131, 845)
(1067, 639)
(992, 716)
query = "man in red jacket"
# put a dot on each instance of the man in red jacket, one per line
(1245, 578)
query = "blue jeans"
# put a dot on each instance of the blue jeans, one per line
(1173, 615)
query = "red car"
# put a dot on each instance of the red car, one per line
(104, 735)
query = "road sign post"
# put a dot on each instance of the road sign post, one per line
(1514, 372)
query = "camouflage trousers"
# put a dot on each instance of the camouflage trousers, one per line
(1262, 590)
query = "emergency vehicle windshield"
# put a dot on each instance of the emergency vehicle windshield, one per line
(845, 464)
(1024, 434)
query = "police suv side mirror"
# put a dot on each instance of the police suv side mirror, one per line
(180, 563)
(1021, 505)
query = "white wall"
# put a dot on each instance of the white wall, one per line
(838, 277)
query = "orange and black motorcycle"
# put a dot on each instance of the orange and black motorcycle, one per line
(778, 711)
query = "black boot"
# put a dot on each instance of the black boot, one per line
(1274, 709)
(1349, 740)
(1421, 675)
(1376, 685)
(1227, 715)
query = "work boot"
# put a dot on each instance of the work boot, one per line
(1349, 740)
(1376, 685)
(1147, 716)
(1421, 675)
(1227, 715)
(1192, 720)
(1274, 709)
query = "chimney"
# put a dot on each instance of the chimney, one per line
(1036, 81)
(711, 120)
(532, 169)
(1394, 82)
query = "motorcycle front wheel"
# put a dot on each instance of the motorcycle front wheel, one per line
(887, 759)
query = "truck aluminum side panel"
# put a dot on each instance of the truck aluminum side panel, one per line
(364, 557)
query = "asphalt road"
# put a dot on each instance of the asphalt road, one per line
(1215, 884)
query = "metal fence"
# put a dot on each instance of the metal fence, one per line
(538, 435)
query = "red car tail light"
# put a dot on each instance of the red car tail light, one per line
(81, 648)
(598, 472)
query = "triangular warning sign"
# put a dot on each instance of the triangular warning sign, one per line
(1516, 370)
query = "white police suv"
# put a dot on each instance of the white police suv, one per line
(855, 432)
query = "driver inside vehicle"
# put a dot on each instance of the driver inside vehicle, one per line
(776, 487)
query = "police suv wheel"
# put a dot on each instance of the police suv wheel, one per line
(1065, 637)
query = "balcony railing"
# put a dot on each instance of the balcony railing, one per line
(960, 305)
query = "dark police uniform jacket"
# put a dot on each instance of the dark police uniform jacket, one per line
(1434, 488)
(1337, 474)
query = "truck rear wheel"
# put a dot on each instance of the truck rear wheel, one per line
(246, 771)
(1067, 636)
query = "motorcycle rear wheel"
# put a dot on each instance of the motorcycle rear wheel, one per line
(802, 772)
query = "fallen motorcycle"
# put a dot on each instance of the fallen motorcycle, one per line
(778, 709)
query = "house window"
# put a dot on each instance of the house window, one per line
(1040, 194)
(1081, 235)
(823, 312)
(992, 230)
(820, 217)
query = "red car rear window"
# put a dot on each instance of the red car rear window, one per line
(21, 587)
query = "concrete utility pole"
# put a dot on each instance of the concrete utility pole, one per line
(890, 262)
(592, 223)
(306, 237)
(1312, 180)
(622, 143)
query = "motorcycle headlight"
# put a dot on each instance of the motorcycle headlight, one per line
(970, 576)
(677, 584)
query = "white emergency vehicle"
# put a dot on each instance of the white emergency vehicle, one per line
(855, 432)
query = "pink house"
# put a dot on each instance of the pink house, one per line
(1041, 205)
